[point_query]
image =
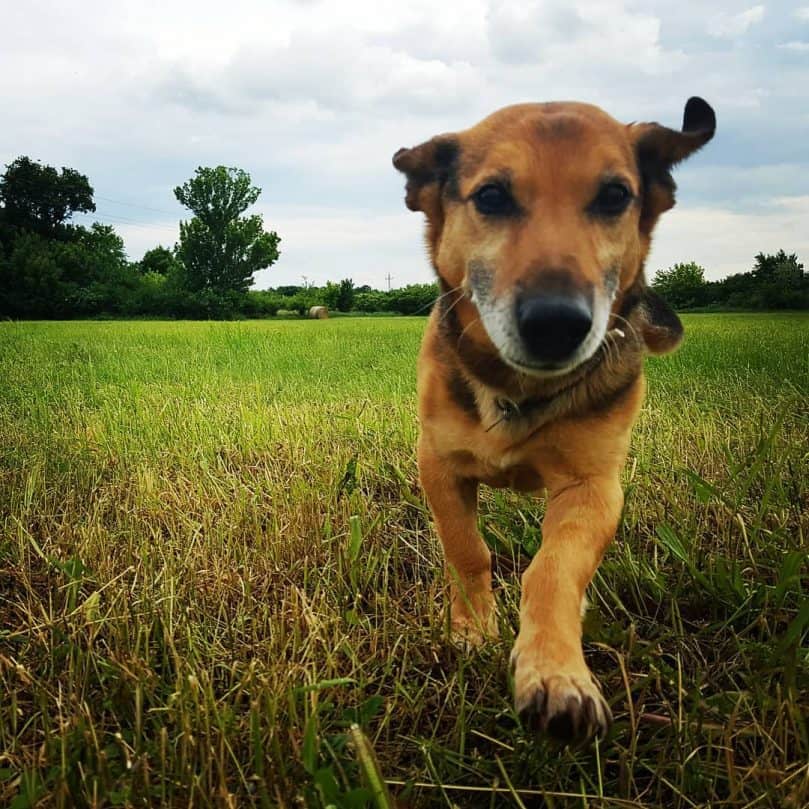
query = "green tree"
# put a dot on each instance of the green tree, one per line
(95, 265)
(85, 275)
(414, 299)
(220, 249)
(769, 267)
(345, 295)
(31, 280)
(38, 198)
(329, 295)
(372, 300)
(780, 281)
(158, 260)
(682, 285)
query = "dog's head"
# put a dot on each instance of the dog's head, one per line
(542, 215)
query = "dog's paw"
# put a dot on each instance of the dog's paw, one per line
(471, 628)
(566, 705)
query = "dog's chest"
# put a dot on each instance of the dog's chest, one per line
(503, 472)
(493, 456)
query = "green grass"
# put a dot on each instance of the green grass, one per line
(215, 557)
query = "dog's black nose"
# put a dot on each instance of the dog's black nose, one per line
(552, 326)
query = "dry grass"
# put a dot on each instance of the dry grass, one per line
(207, 574)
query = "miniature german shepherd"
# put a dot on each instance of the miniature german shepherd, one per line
(539, 220)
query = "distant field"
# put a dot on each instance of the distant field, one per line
(214, 557)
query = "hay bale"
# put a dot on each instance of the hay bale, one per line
(318, 312)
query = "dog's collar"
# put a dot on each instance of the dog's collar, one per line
(510, 411)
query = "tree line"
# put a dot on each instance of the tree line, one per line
(53, 268)
(776, 281)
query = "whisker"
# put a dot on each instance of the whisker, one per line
(631, 327)
(437, 299)
(613, 349)
(606, 349)
(466, 329)
(454, 303)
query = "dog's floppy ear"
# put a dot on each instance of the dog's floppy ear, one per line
(652, 319)
(427, 168)
(659, 148)
(661, 328)
(430, 169)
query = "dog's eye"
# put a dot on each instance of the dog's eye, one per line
(612, 199)
(493, 200)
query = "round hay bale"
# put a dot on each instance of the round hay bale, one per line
(318, 312)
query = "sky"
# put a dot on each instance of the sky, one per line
(312, 98)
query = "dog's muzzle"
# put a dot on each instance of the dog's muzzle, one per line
(552, 327)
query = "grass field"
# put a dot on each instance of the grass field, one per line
(215, 557)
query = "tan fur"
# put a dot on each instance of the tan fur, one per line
(571, 436)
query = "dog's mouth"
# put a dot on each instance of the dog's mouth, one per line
(536, 369)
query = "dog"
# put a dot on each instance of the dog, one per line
(530, 375)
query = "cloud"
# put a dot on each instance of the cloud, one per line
(605, 34)
(795, 45)
(730, 26)
(324, 244)
(802, 13)
(725, 241)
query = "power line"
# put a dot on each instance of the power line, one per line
(129, 220)
(113, 219)
(134, 205)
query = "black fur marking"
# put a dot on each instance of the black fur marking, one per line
(632, 297)
(616, 395)
(447, 154)
(661, 148)
(430, 162)
(698, 116)
(660, 314)
(653, 168)
(460, 391)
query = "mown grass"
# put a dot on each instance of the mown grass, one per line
(215, 557)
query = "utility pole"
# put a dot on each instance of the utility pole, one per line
(388, 279)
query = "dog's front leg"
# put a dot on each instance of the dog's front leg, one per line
(553, 687)
(453, 501)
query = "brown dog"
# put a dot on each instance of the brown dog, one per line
(539, 220)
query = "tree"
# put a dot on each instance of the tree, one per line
(40, 199)
(87, 274)
(219, 248)
(31, 283)
(329, 295)
(414, 299)
(345, 295)
(777, 266)
(158, 260)
(373, 300)
(682, 285)
(780, 282)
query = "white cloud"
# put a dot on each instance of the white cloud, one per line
(725, 241)
(795, 45)
(730, 26)
(323, 244)
(603, 34)
(802, 13)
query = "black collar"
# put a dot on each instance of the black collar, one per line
(510, 411)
